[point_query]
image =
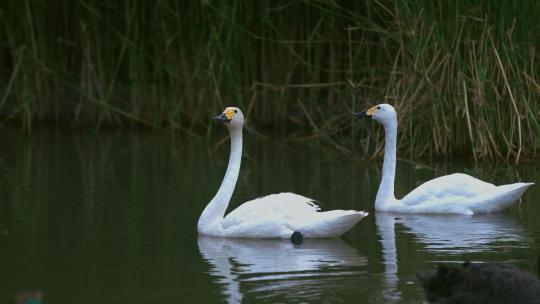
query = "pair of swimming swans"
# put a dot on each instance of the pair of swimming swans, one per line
(289, 215)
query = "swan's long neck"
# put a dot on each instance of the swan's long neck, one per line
(215, 210)
(386, 188)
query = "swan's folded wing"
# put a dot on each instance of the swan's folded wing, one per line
(456, 186)
(275, 207)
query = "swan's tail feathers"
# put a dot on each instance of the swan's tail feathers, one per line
(520, 189)
(361, 214)
(335, 224)
(505, 196)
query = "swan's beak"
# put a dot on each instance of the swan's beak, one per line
(222, 117)
(363, 114)
(368, 113)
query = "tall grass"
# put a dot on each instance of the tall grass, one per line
(462, 74)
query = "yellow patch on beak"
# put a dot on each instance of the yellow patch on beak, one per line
(229, 113)
(371, 111)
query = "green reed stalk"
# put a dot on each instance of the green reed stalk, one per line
(461, 73)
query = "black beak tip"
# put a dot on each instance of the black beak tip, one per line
(221, 118)
(361, 114)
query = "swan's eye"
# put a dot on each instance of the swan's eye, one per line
(378, 107)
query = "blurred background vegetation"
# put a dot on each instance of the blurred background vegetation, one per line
(462, 74)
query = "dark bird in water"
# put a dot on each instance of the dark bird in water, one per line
(478, 283)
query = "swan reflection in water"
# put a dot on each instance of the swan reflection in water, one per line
(275, 267)
(465, 234)
(447, 235)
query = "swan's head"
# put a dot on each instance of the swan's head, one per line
(232, 117)
(383, 113)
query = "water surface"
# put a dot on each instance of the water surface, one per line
(110, 217)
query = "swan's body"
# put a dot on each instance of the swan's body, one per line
(456, 193)
(272, 216)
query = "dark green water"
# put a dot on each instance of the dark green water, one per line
(112, 219)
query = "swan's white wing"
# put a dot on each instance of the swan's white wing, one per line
(455, 187)
(281, 207)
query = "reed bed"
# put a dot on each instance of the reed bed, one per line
(462, 74)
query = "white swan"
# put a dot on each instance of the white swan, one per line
(273, 216)
(456, 193)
